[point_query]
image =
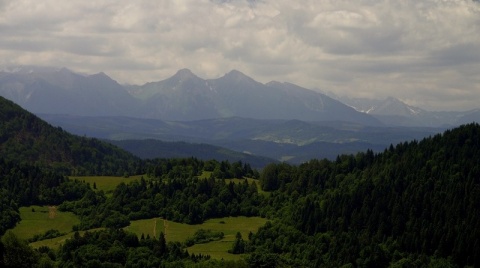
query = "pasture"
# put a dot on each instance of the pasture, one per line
(180, 232)
(105, 183)
(56, 242)
(39, 219)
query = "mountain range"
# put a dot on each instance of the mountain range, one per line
(182, 97)
(187, 97)
(278, 120)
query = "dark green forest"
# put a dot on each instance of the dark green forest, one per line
(416, 204)
(24, 138)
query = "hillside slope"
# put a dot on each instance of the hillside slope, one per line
(150, 149)
(26, 138)
(414, 205)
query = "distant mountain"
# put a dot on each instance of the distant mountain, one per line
(61, 91)
(185, 97)
(26, 138)
(388, 106)
(393, 112)
(182, 97)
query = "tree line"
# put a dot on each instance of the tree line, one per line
(416, 204)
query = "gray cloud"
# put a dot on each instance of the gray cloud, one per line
(424, 52)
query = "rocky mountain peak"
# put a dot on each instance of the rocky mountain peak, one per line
(184, 74)
(237, 76)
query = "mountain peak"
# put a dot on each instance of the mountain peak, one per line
(101, 76)
(394, 106)
(184, 74)
(235, 73)
(237, 76)
(391, 99)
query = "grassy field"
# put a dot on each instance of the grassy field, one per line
(54, 243)
(106, 183)
(151, 227)
(39, 219)
(180, 232)
(205, 175)
(229, 226)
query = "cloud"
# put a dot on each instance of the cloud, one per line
(424, 52)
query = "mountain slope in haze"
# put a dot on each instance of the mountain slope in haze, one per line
(182, 97)
(61, 91)
(26, 138)
(315, 106)
(394, 112)
(185, 97)
(150, 149)
(294, 141)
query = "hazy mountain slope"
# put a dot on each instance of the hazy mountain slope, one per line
(469, 116)
(183, 96)
(60, 91)
(26, 138)
(149, 149)
(319, 107)
(393, 112)
(291, 140)
(186, 97)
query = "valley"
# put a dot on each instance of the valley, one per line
(111, 190)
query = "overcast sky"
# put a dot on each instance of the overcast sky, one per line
(426, 53)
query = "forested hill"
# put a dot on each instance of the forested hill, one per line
(26, 138)
(416, 204)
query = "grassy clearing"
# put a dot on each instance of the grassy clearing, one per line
(54, 243)
(205, 175)
(106, 183)
(173, 231)
(151, 227)
(180, 232)
(216, 249)
(229, 226)
(39, 219)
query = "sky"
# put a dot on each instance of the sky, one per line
(426, 53)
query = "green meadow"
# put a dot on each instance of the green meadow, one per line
(180, 232)
(56, 242)
(39, 219)
(106, 183)
(229, 226)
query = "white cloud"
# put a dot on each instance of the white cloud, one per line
(425, 52)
